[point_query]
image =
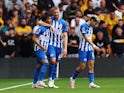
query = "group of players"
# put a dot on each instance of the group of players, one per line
(50, 37)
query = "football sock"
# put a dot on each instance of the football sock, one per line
(51, 69)
(91, 77)
(75, 74)
(43, 71)
(36, 74)
(54, 72)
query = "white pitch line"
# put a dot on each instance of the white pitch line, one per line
(16, 86)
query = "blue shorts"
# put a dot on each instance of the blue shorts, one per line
(54, 52)
(41, 55)
(85, 56)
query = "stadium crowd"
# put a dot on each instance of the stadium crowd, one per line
(18, 18)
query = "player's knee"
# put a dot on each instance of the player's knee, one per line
(53, 60)
(91, 66)
(38, 65)
(82, 66)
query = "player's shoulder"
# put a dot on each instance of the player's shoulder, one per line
(43, 27)
(84, 25)
(62, 20)
(36, 27)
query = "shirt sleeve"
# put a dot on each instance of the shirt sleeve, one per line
(83, 30)
(40, 31)
(65, 27)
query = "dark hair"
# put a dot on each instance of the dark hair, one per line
(101, 22)
(45, 16)
(60, 5)
(94, 19)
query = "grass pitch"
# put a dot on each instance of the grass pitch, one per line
(108, 85)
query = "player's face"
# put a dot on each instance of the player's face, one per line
(93, 23)
(49, 20)
(56, 13)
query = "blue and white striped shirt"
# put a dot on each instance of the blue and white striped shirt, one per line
(43, 34)
(88, 30)
(56, 38)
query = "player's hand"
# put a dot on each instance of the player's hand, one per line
(96, 48)
(44, 49)
(64, 53)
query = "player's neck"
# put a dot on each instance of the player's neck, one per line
(56, 18)
(88, 22)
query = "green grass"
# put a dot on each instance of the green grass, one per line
(108, 85)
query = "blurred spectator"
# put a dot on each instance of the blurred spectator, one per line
(71, 10)
(15, 7)
(97, 12)
(65, 4)
(27, 6)
(2, 6)
(11, 43)
(9, 4)
(45, 4)
(103, 44)
(113, 4)
(29, 1)
(73, 42)
(84, 6)
(118, 13)
(1, 3)
(8, 24)
(102, 28)
(117, 43)
(35, 11)
(35, 2)
(23, 32)
(80, 3)
(42, 12)
(61, 10)
(96, 3)
(56, 2)
(15, 17)
(119, 24)
(1, 18)
(2, 50)
(30, 20)
(103, 7)
(76, 23)
(111, 20)
(90, 9)
(78, 15)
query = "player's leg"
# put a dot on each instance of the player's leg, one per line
(82, 65)
(43, 59)
(91, 70)
(52, 58)
(36, 74)
(58, 58)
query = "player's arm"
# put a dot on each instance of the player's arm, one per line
(46, 24)
(65, 42)
(3, 43)
(35, 39)
(90, 42)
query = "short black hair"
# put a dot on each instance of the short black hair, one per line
(45, 16)
(94, 19)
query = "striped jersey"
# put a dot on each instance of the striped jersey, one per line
(61, 27)
(88, 30)
(43, 34)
